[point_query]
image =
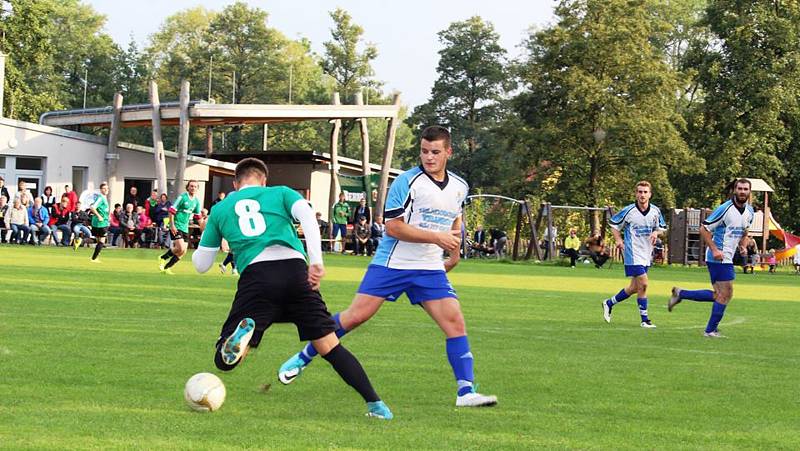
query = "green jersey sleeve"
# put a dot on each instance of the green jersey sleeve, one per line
(290, 196)
(211, 235)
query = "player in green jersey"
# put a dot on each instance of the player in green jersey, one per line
(100, 217)
(275, 284)
(185, 207)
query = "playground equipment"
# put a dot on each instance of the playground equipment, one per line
(546, 214)
(523, 213)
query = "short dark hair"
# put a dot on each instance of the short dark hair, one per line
(742, 181)
(105, 184)
(191, 181)
(117, 205)
(250, 166)
(436, 133)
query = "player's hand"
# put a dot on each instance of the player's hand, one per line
(742, 250)
(653, 239)
(621, 246)
(451, 262)
(717, 254)
(449, 241)
(315, 274)
(173, 229)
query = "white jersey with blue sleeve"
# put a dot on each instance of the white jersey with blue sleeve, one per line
(424, 203)
(637, 226)
(728, 224)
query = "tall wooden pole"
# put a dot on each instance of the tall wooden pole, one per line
(391, 134)
(209, 141)
(112, 154)
(334, 190)
(365, 169)
(158, 143)
(183, 139)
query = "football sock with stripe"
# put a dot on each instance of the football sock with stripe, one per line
(460, 358)
(619, 297)
(697, 295)
(308, 353)
(717, 311)
(351, 371)
(97, 249)
(172, 262)
(643, 308)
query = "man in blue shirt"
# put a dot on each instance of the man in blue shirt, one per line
(641, 223)
(723, 231)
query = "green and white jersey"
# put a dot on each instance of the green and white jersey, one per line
(100, 205)
(252, 219)
(184, 208)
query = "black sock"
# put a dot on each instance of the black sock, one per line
(97, 249)
(167, 254)
(351, 371)
(172, 261)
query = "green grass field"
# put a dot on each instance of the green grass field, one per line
(95, 356)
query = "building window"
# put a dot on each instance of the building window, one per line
(2, 162)
(29, 164)
(79, 178)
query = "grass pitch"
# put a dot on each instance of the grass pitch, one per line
(95, 356)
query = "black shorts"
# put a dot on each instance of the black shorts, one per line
(181, 235)
(99, 232)
(278, 292)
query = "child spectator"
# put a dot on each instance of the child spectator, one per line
(772, 261)
(115, 229)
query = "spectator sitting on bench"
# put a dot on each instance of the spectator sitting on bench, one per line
(499, 240)
(572, 246)
(597, 250)
(38, 217)
(17, 219)
(80, 220)
(61, 215)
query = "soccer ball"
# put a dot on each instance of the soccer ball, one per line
(204, 392)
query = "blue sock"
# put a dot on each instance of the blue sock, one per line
(460, 358)
(619, 297)
(643, 308)
(716, 316)
(697, 295)
(309, 352)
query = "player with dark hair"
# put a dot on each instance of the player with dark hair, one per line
(275, 285)
(423, 218)
(100, 218)
(640, 222)
(185, 207)
(723, 231)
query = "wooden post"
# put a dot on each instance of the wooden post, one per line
(334, 190)
(183, 139)
(701, 245)
(533, 246)
(515, 253)
(365, 169)
(265, 138)
(765, 227)
(551, 247)
(158, 143)
(209, 141)
(391, 134)
(112, 153)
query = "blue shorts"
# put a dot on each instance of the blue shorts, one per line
(635, 270)
(721, 272)
(419, 285)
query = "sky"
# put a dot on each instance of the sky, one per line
(403, 31)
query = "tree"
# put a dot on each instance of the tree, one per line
(468, 95)
(745, 124)
(600, 105)
(350, 68)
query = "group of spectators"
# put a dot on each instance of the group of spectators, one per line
(492, 245)
(367, 233)
(44, 219)
(752, 258)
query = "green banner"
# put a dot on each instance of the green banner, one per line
(355, 187)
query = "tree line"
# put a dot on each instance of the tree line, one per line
(688, 94)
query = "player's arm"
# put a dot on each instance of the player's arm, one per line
(210, 241)
(303, 213)
(397, 228)
(618, 239)
(172, 211)
(743, 242)
(455, 256)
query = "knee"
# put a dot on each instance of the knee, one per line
(354, 318)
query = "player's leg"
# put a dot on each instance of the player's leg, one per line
(623, 294)
(723, 290)
(362, 308)
(100, 236)
(680, 294)
(178, 250)
(446, 312)
(641, 282)
(350, 370)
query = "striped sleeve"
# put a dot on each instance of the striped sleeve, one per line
(714, 220)
(618, 220)
(399, 199)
